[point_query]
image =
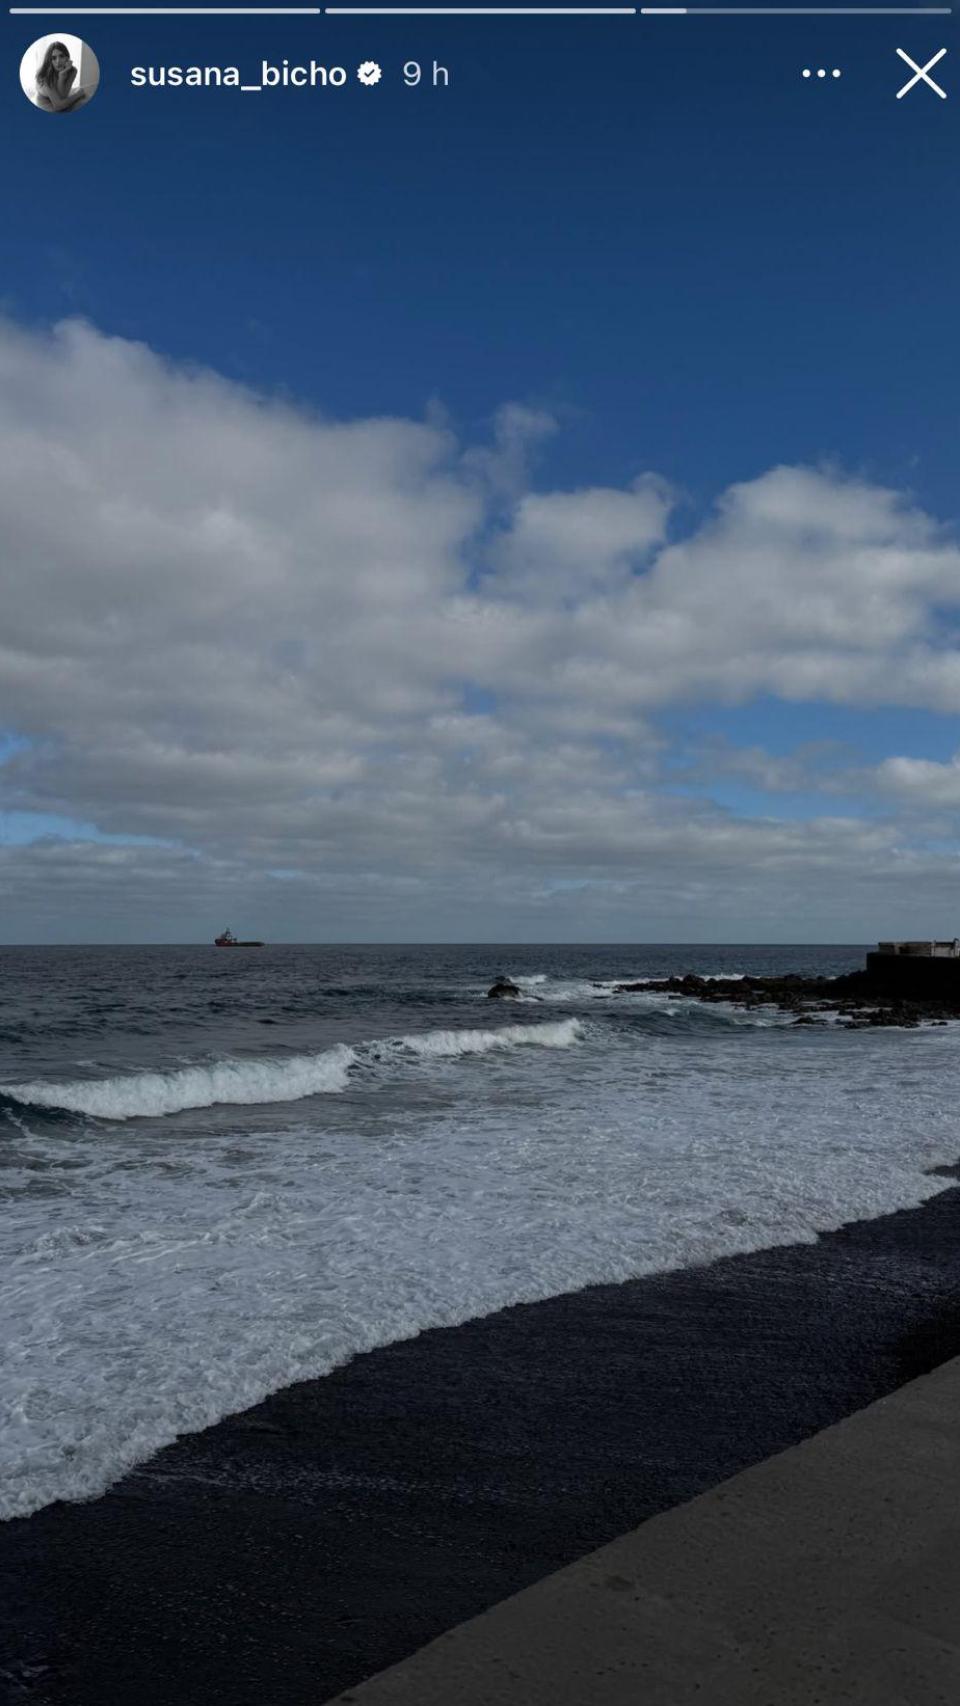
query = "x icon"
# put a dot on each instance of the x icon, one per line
(921, 74)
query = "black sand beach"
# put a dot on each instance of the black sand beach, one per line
(295, 1549)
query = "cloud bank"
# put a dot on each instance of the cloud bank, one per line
(359, 679)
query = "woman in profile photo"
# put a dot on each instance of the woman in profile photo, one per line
(55, 81)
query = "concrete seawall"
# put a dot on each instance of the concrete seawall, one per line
(828, 1574)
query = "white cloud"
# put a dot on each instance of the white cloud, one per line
(361, 650)
(922, 782)
(578, 545)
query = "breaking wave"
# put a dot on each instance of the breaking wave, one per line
(149, 1095)
(145, 1095)
(558, 1035)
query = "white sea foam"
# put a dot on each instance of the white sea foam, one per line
(571, 989)
(140, 1095)
(149, 1288)
(150, 1095)
(581, 991)
(559, 1035)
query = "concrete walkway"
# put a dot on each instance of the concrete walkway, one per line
(828, 1574)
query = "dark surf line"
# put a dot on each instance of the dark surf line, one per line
(291, 1551)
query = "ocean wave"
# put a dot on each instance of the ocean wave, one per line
(149, 1095)
(561, 1034)
(146, 1095)
(643, 1004)
(566, 989)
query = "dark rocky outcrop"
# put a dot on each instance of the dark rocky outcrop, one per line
(859, 998)
(503, 989)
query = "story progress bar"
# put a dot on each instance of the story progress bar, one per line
(480, 11)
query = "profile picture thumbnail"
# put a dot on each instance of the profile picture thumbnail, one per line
(59, 74)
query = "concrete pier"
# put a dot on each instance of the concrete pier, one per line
(924, 970)
(828, 1574)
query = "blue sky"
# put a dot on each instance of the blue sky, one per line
(674, 258)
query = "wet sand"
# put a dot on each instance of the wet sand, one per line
(291, 1551)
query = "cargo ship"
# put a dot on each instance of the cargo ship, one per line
(229, 940)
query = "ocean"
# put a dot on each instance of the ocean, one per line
(226, 1171)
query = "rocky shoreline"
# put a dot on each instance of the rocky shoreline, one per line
(858, 998)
